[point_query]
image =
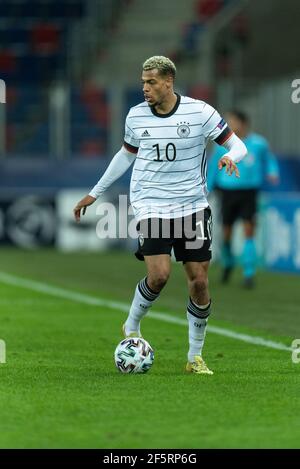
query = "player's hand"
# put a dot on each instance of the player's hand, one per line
(231, 167)
(274, 180)
(82, 205)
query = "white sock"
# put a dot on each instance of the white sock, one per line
(143, 299)
(197, 316)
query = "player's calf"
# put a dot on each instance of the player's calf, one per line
(144, 298)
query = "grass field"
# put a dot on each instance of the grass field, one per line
(60, 388)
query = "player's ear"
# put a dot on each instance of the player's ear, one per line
(169, 81)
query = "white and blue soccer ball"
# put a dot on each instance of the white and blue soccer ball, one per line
(134, 355)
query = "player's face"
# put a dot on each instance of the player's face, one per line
(155, 86)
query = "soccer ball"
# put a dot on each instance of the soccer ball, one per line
(134, 355)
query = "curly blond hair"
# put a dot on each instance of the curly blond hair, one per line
(164, 65)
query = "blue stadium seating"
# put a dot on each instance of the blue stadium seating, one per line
(28, 123)
(37, 143)
(31, 57)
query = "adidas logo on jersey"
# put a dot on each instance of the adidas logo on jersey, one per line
(145, 133)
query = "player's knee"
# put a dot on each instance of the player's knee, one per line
(158, 280)
(199, 284)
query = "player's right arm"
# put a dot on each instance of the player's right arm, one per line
(117, 167)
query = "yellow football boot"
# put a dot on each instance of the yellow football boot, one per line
(198, 366)
(132, 334)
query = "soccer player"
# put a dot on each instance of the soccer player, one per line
(239, 196)
(165, 138)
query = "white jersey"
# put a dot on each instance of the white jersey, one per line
(169, 174)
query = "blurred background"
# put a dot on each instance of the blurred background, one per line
(72, 70)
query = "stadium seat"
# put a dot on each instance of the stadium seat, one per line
(33, 48)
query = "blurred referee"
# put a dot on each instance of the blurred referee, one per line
(239, 195)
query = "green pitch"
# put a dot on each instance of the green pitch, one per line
(60, 388)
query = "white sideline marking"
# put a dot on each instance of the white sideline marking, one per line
(124, 307)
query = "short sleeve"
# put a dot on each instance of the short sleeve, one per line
(131, 143)
(214, 126)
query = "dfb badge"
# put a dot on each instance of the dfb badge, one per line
(183, 129)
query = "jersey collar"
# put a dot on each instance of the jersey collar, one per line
(157, 114)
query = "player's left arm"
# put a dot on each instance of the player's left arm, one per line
(236, 151)
(215, 128)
